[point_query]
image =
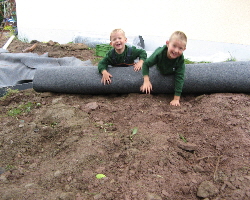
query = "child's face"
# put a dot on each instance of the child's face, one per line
(175, 48)
(118, 41)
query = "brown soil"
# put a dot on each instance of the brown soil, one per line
(147, 149)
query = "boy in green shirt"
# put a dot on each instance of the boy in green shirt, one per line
(169, 59)
(120, 56)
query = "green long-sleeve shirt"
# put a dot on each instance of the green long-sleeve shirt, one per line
(107, 60)
(167, 66)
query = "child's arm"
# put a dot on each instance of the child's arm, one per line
(151, 61)
(179, 81)
(102, 68)
(142, 54)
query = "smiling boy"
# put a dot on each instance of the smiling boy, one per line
(120, 56)
(169, 59)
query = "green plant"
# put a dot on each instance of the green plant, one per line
(1, 12)
(204, 62)
(9, 167)
(53, 124)
(24, 39)
(183, 138)
(108, 124)
(100, 176)
(187, 61)
(14, 112)
(231, 58)
(24, 108)
(134, 131)
(96, 60)
(104, 126)
(10, 29)
(9, 93)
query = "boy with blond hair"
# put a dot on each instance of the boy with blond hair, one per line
(169, 59)
(120, 56)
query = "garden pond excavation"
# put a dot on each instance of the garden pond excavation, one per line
(53, 145)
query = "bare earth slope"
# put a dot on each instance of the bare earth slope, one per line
(52, 146)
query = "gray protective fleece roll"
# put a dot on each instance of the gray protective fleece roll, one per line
(221, 77)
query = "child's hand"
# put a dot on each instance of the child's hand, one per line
(106, 77)
(138, 66)
(146, 87)
(175, 101)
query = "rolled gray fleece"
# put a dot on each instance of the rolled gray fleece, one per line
(220, 77)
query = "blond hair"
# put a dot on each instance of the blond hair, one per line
(179, 35)
(117, 30)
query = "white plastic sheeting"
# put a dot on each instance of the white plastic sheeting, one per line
(208, 23)
(209, 20)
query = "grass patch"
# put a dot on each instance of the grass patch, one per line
(9, 167)
(232, 59)
(24, 108)
(187, 61)
(105, 126)
(9, 93)
(97, 60)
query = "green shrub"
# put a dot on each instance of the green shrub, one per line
(1, 11)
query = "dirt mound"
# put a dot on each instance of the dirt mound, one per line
(53, 48)
(52, 146)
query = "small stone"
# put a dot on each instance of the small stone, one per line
(2, 170)
(29, 185)
(98, 196)
(235, 98)
(67, 196)
(185, 190)
(57, 173)
(198, 168)
(21, 125)
(165, 193)
(183, 170)
(187, 146)
(134, 192)
(33, 166)
(56, 100)
(151, 196)
(207, 189)
(3, 178)
(230, 185)
(91, 106)
(69, 178)
(50, 43)
(67, 188)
